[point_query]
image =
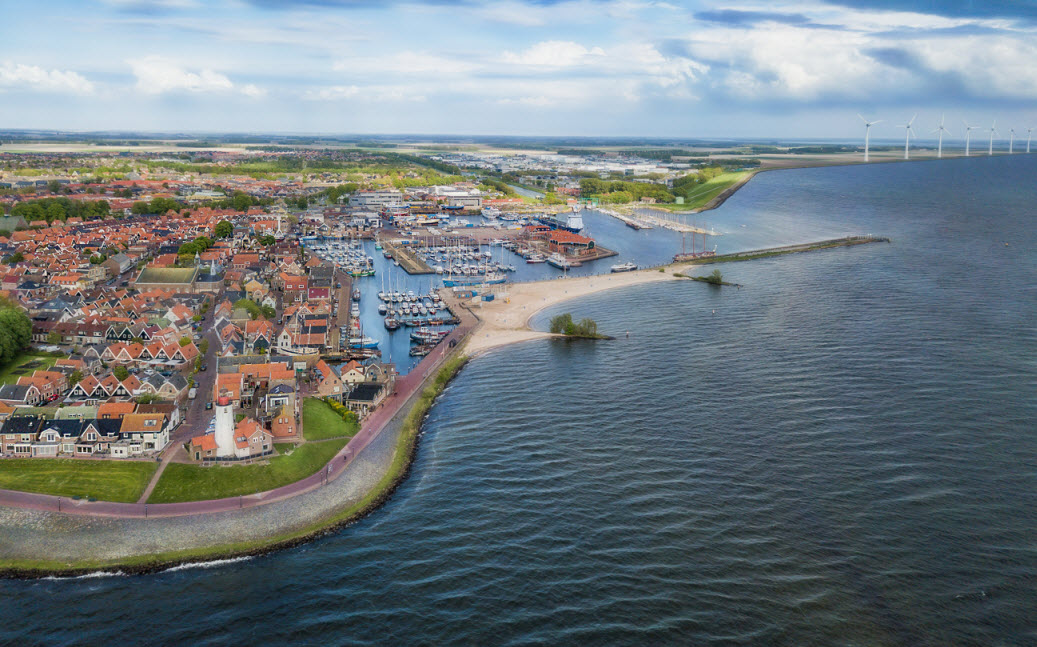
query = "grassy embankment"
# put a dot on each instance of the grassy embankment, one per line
(707, 191)
(406, 445)
(320, 422)
(25, 364)
(120, 481)
(325, 431)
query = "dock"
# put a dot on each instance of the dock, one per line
(407, 259)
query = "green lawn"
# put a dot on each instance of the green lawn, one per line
(319, 422)
(25, 364)
(122, 481)
(703, 193)
(183, 482)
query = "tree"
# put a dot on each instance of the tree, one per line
(16, 257)
(561, 323)
(223, 229)
(716, 278)
(74, 377)
(241, 201)
(53, 338)
(120, 373)
(587, 328)
(184, 341)
(15, 331)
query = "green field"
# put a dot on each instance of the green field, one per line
(705, 192)
(183, 482)
(25, 364)
(320, 422)
(122, 481)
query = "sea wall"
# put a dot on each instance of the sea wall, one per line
(38, 543)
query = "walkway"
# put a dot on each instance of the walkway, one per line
(407, 387)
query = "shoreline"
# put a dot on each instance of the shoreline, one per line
(501, 322)
(401, 459)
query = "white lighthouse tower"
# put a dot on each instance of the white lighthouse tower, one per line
(225, 446)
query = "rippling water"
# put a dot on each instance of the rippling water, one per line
(840, 452)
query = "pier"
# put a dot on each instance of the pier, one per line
(407, 259)
(846, 241)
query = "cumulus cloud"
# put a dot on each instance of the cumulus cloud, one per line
(554, 53)
(159, 75)
(33, 77)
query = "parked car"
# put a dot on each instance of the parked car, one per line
(208, 405)
(203, 367)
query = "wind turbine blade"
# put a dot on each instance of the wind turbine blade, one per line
(877, 121)
(913, 119)
(862, 118)
(943, 118)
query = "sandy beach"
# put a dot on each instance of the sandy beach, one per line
(505, 320)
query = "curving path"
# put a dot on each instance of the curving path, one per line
(407, 387)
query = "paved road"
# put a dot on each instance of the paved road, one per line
(408, 388)
(196, 420)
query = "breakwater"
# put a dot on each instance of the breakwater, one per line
(846, 241)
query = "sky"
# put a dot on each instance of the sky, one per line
(739, 68)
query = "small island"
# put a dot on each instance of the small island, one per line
(564, 325)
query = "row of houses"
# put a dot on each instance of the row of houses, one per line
(133, 434)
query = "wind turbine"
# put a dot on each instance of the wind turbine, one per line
(1011, 140)
(968, 131)
(941, 130)
(867, 132)
(908, 134)
(993, 131)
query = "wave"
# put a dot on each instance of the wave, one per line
(209, 564)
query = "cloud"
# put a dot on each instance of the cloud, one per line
(739, 17)
(386, 93)
(1016, 9)
(554, 53)
(151, 7)
(159, 75)
(33, 77)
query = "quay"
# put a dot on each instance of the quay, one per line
(407, 259)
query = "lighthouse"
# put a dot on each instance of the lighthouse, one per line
(225, 446)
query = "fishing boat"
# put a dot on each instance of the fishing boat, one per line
(421, 350)
(382, 308)
(356, 294)
(391, 323)
(363, 342)
(559, 261)
(571, 221)
(425, 335)
(536, 258)
(624, 267)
